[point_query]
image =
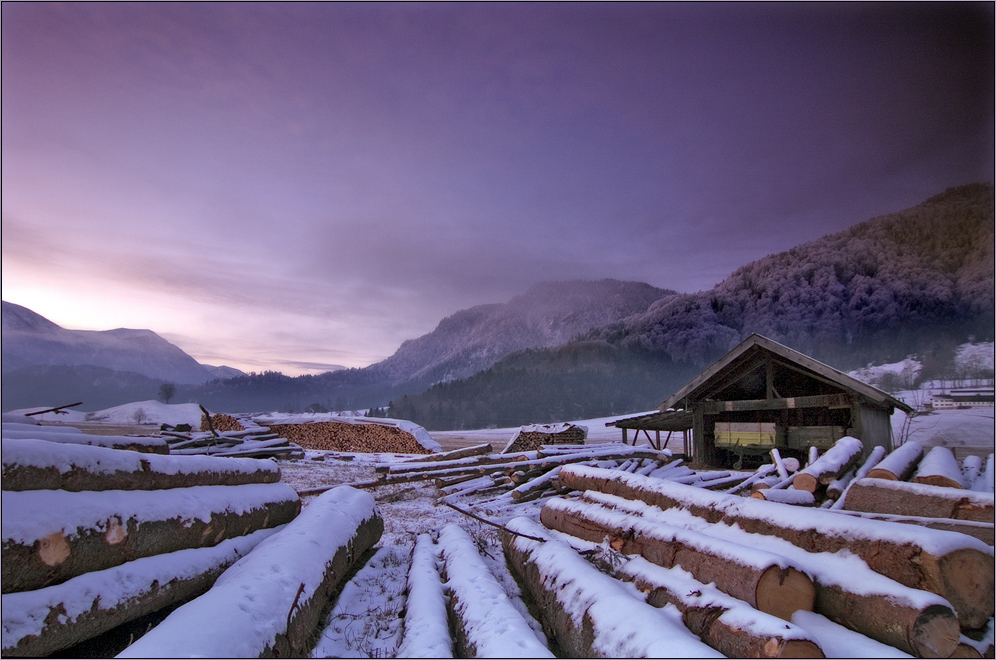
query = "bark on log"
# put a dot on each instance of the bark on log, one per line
(850, 594)
(270, 603)
(717, 618)
(42, 465)
(590, 614)
(954, 566)
(832, 464)
(900, 464)
(50, 536)
(985, 532)
(761, 579)
(44, 621)
(916, 499)
(939, 468)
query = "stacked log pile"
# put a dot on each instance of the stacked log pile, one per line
(519, 477)
(929, 489)
(915, 589)
(254, 442)
(94, 537)
(534, 436)
(222, 422)
(351, 434)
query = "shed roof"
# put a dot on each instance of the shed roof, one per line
(671, 420)
(755, 343)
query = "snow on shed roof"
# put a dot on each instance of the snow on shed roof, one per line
(814, 366)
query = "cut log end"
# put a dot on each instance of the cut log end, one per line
(966, 579)
(783, 591)
(935, 633)
(799, 648)
(806, 482)
(882, 474)
(938, 480)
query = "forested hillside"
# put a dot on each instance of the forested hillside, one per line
(919, 281)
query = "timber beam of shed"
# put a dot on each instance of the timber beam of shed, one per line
(819, 401)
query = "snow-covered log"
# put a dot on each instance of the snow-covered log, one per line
(793, 497)
(762, 472)
(427, 633)
(980, 530)
(874, 458)
(465, 452)
(133, 443)
(832, 464)
(955, 566)
(776, 460)
(44, 621)
(270, 602)
(917, 499)
(939, 468)
(43, 465)
(900, 464)
(727, 624)
(836, 488)
(839, 641)
(50, 536)
(765, 581)
(590, 614)
(847, 590)
(487, 624)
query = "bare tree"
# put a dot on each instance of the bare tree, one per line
(167, 391)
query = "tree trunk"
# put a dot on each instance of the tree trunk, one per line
(880, 609)
(271, 603)
(588, 613)
(836, 461)
(905, 499)
(118, 595)
(760, 579)
(91, 531)
(32, 465)
(959, 568)
(900, 464)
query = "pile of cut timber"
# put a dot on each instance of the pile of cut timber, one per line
(73, 436)
(351, 434)
(519, 477)
(253, 442)
(222, 422)
(270, 603)
(912, 588)
(96, 537)
(931, 490)
(534, 436)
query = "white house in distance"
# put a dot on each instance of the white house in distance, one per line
(969, 397)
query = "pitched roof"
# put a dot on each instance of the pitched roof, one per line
(807, 363)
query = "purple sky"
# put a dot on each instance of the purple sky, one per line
(287, 186)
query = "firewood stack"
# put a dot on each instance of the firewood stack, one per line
(222, 422)
(95, 537)
(351, 434)
(532, 437)
(804, 580)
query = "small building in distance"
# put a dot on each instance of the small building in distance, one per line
(968, 397)
(763, 395)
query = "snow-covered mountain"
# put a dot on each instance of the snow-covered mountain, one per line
(549, 314)
(30, 339)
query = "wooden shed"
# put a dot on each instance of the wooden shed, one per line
(763, 395)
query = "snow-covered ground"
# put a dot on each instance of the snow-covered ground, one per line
(138, 412)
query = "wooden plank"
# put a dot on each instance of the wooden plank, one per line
(819, 401)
